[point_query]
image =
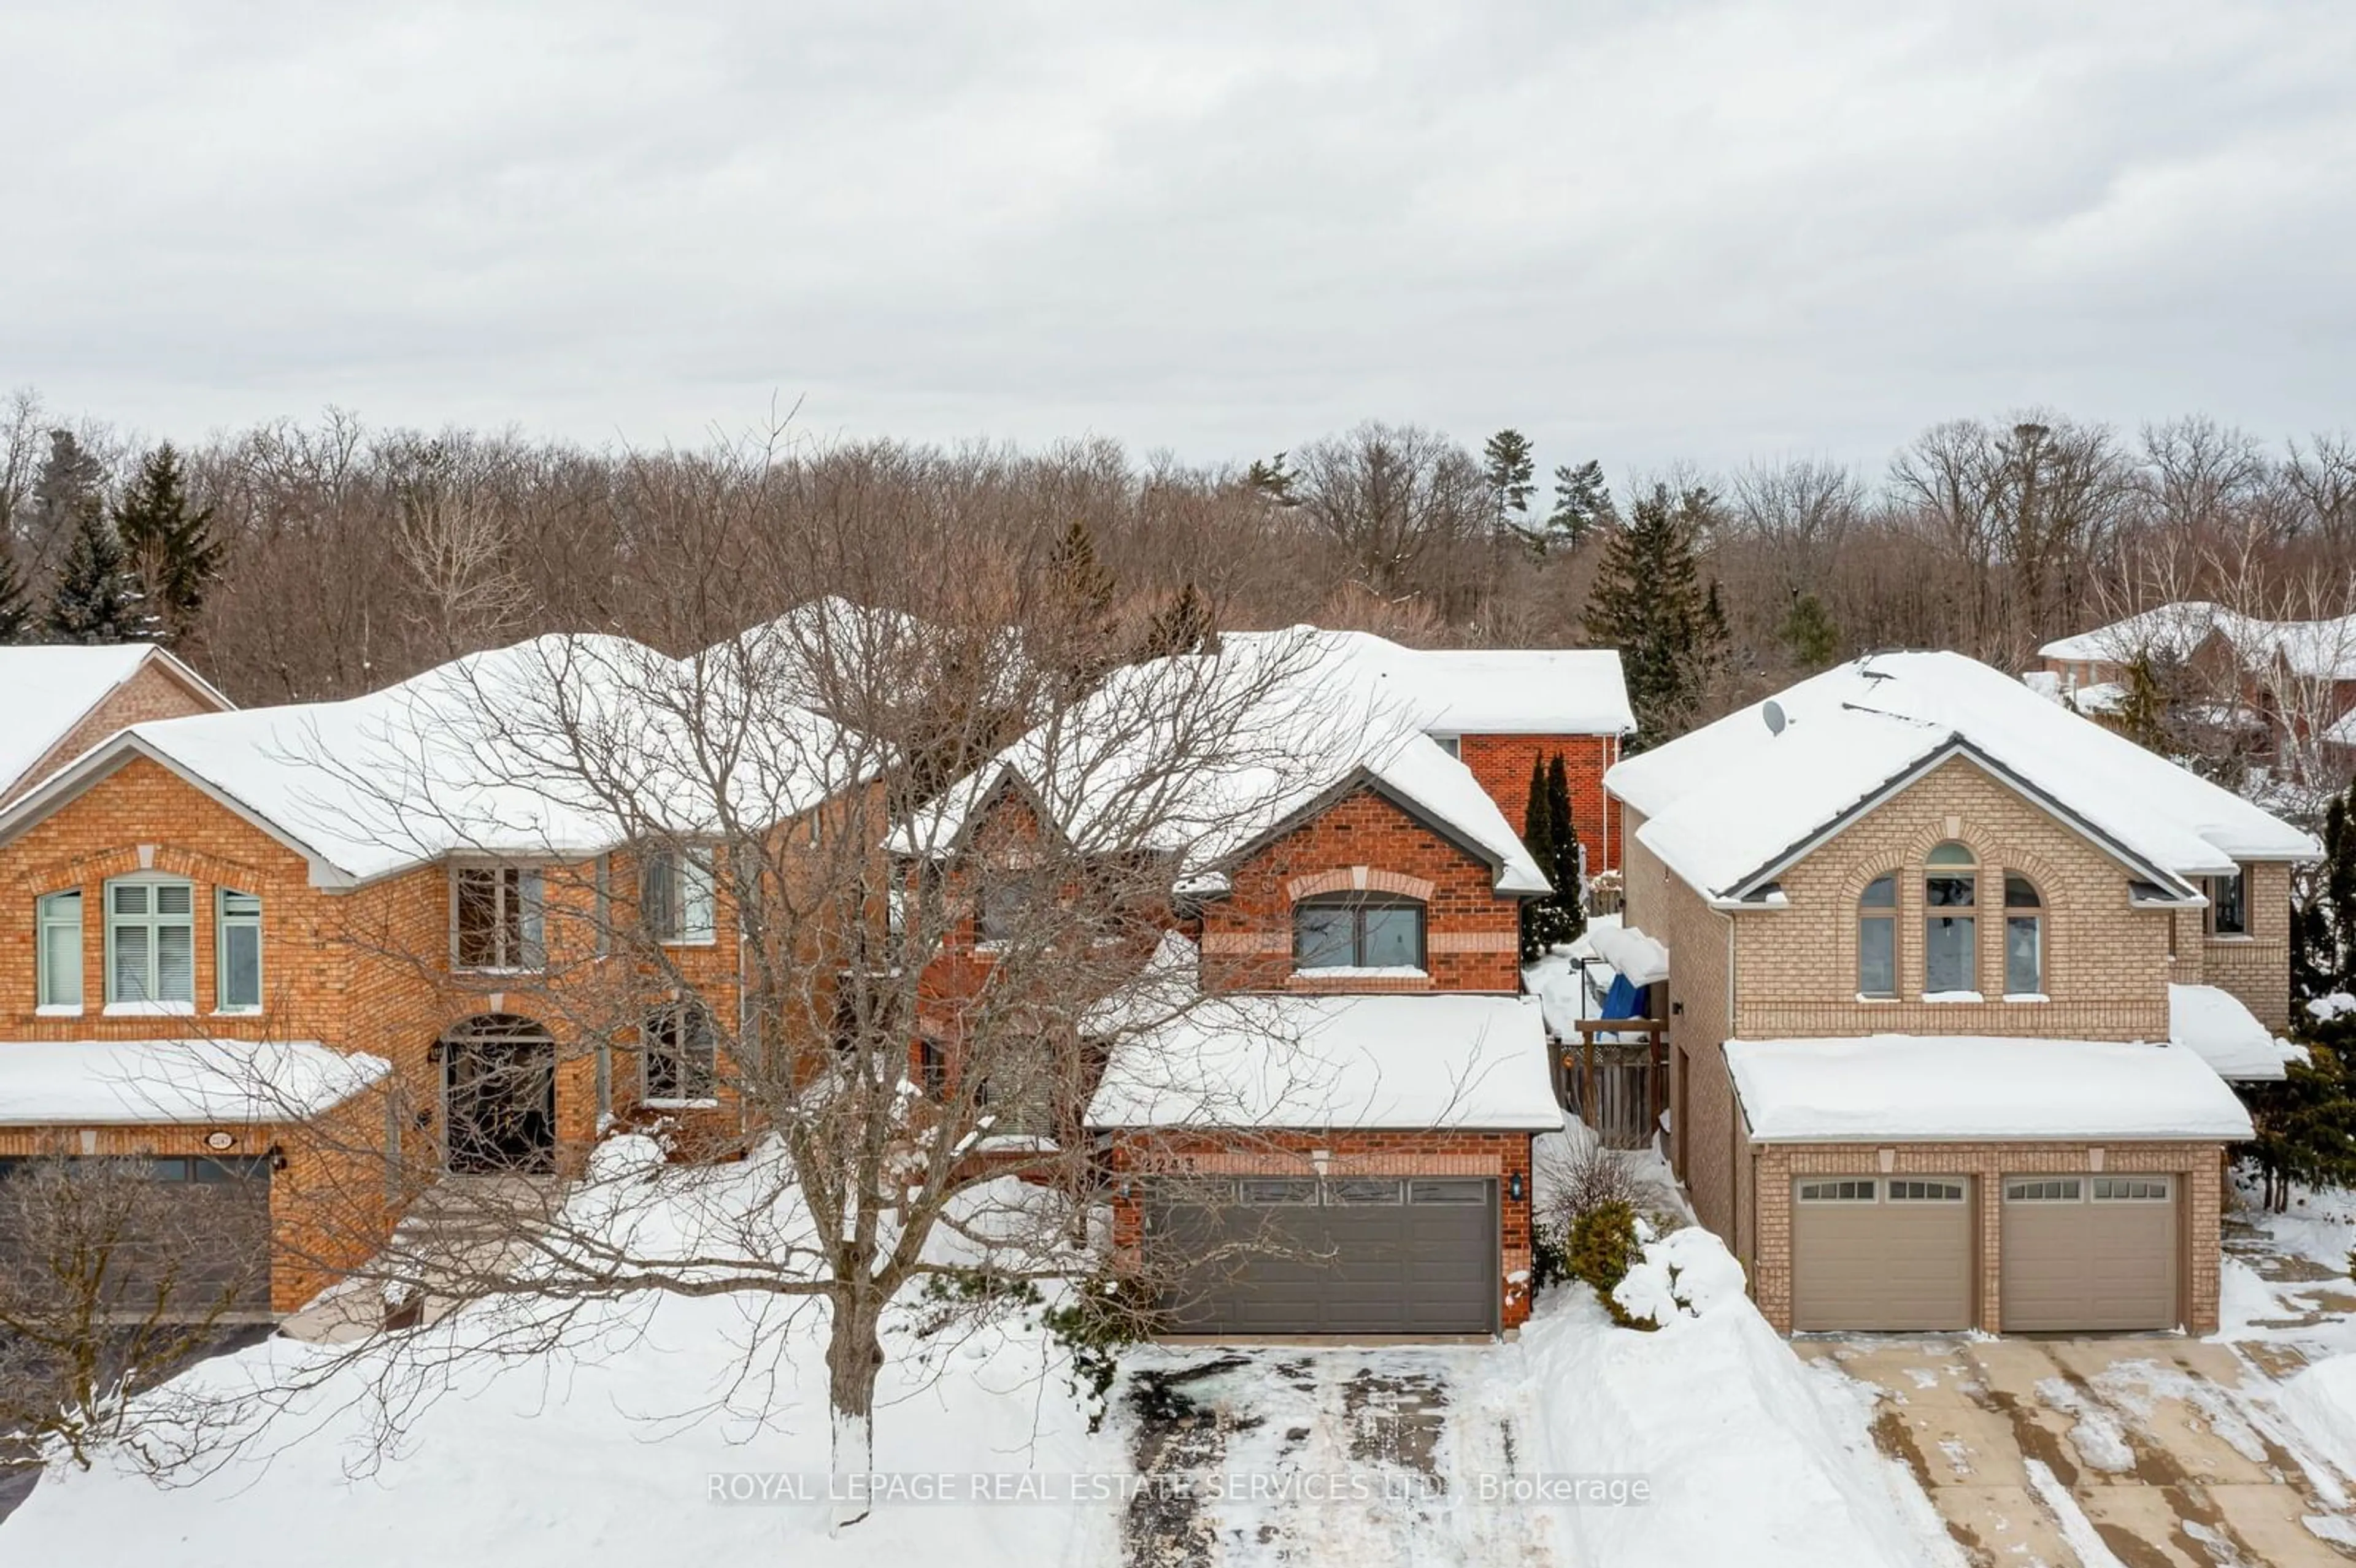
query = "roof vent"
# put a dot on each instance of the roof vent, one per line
(1773, 711)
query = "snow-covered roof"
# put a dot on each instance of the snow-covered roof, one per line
(2319, 649)
(1512, 691)
(1642, 960)
(128, 1081)
(1201, 756)
(1726, 805)
(523, 750)
(1308, 1062)
(45, 690)
(2217, 1025)
(1892, 1088)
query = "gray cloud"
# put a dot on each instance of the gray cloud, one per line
(1636, 230)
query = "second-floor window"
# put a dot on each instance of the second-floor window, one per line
(1000, 909)
(1877, 938)
(496, 918)
(2024, 938)
(237, 958)
(677, 896)
(1950, 930)
(58, 919)
(2229, 905)
(150, 943)
(1357, 933)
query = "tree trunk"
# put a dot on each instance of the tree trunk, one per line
(854, 1355)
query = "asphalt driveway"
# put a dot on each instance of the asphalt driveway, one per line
(2150, 1452)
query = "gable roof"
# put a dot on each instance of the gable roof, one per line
(47, 690)
(1726, 805)
(2322, 649)
(1504, 691)
(490, 754)
(1203, 756)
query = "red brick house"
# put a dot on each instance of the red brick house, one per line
(1337, 1063)
(56, 702)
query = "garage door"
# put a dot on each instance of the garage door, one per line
(1356, 1256)
(2087, 1251)
(1882, 1252)
(185, 1235)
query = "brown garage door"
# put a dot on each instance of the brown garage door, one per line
(1357, 1255)
(1887, 1253)
(2085, 1251)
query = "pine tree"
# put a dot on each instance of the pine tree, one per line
(1648, 601)
(1537, 838)
(1581, 503)
(1507, 464)
(1568, 873)
(95, 601)
(1184, 626)
(2142, 713)
(167, 545)
(15, 602)
(2305, 1127)
(1809, 633)
(1083, 592)
(1274, 480)
(70, 483)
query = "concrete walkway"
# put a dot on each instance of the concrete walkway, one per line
(2148, 1453)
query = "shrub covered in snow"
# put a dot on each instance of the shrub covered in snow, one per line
(1686, 1272)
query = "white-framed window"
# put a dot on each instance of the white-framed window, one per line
(1950, 930)
(1846, 1190)
(1357, 933)
(1914, 1190)
(2045, 1189)
(2024, 937)
(1000, 907)
(151, 942)
(2229, 904)
(498, 918)
(57, 919)
(2131, 1190)
(680, 1053)
(237, 951)
(1877, 938)
(677, 896)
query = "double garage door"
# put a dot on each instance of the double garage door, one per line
(2081, 1253)
(1354, 1255)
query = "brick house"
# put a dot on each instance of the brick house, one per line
(57, 702)
(323, 954)
(1337, 1089)
(1956, 981)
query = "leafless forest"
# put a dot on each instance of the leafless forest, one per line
(352, 555)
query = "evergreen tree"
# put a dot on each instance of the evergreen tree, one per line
(1809, 633)
(2313, 961)
(167, 545)
(16, 602)
(2305, 1126)
(1083, 592)
(2142, 713)
(1581, 503)
(95, 601)
(69, 485)
(1274, 480)
(1648, 601)
(1568, 871)
(1507, 466)
(1184, 626)
(1537, 838)
(2340, 886)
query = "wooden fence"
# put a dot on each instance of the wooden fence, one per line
(1618, 1087)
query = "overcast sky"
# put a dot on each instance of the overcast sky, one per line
(1634, 228)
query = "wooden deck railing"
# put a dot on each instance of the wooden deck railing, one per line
(1617, 1087)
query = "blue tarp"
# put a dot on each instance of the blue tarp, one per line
(1622, 1000)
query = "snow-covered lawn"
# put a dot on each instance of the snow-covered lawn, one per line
(607, 1449)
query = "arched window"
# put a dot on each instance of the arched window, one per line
(2024, 938)
(1950, 930)
(1877, 938)
(1357, 931)
(679, 1054)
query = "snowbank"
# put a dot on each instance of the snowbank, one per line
(1752, 1460)
(605, 1450)
(2322, 1400)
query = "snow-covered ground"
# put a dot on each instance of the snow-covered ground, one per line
(608, 1448)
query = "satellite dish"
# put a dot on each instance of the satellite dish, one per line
(1773, 713)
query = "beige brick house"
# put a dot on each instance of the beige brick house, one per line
(1956, 979)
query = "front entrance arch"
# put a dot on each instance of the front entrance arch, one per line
(499, 1096)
